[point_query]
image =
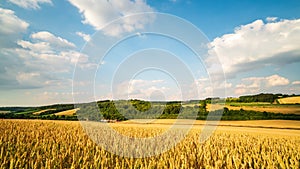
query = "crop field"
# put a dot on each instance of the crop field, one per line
(4, 111)
(41, 111)
(64, 144)
(67, 112)
(273, 108)
(277, 124)
(286, 109)
(290, 100)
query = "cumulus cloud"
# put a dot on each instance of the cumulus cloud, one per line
(296, 82)
(257, 45)
(252, 85)
(26, 69)
(84, 36)
(41, 61)
(276, 80)
(30, 4)
(37, 47)
(48, 50)
(207, 87)
(100, 13)
(55, 41)
(142, 89)
(32, 79)
(11, 27)
(11, 24)
(271, 19)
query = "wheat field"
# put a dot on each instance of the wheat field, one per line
(67, 112)
(64, 144)
(290, 100)
(42, 111)
(286, 109)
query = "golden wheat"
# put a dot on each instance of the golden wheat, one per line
(67, 112)
(290, 100)
(285, 109)
(59, 144)
(42, 111)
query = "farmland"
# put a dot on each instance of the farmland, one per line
(290, 100)
(260, 107)
(257, 107)
(252, 133)
(70, 112)
(42, 111)
(63, 144)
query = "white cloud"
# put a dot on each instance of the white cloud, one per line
(51, 39)
(30, 79)
(100, 13)
(37, 47)
(253, 85)
(26, 76)
(206, 87)
(11, 30)
(240, 89)
(276, 80)
(11, 27)
(142, 89)
(85, 37)
(296, 82)
(271, 19)
(256, 45)
(30, 4)
(44, 60)
(49, 51)
(10, 23)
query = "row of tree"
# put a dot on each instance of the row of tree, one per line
(262, 97)
(130, 109)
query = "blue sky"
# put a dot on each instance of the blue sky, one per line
(256, 42)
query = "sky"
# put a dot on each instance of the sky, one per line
(65, 51)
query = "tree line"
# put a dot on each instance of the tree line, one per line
(139, 109)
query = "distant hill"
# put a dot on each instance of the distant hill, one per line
(129, 109)
(42, 112)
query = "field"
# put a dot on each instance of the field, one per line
(67, 112)
(290, 100)
(276, 124)
(273, 108)
(120, 110)
(63, 144)
(4, 112)
(41, 111)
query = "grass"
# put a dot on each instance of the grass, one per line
(63, 144)
(290, 100)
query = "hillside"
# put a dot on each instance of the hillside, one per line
(251, 107)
